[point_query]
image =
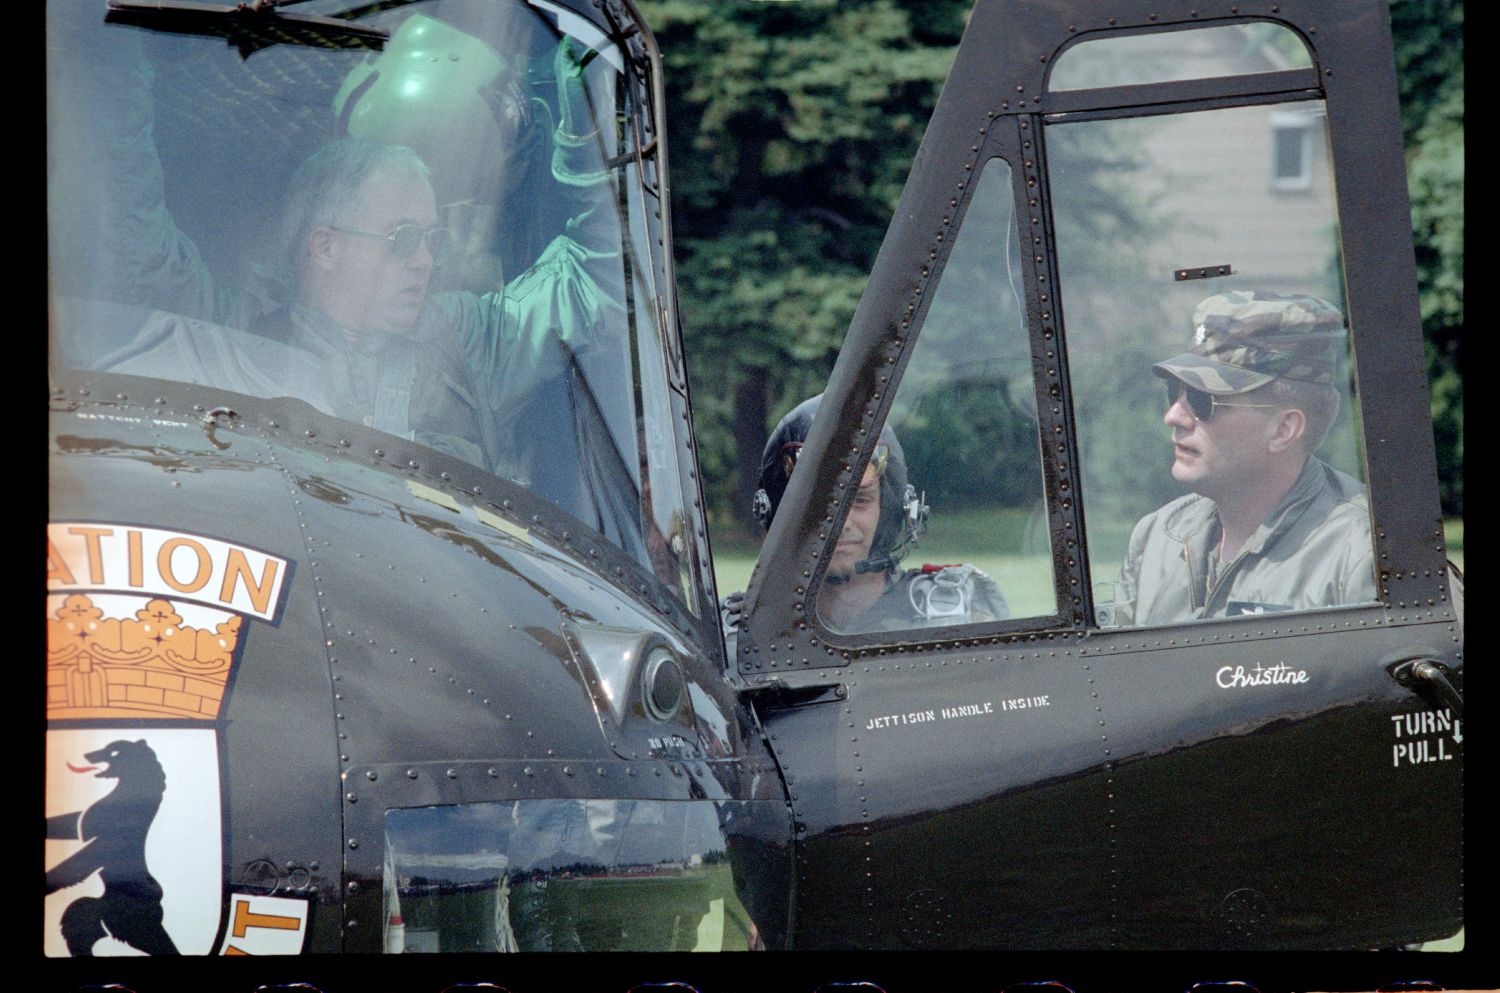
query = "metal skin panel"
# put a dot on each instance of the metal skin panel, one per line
(951, 801)
(1150, 807)
(422, 654)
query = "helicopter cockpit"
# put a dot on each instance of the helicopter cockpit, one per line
(440, 221)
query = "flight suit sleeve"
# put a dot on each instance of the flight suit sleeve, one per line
(530, 330)
(1358, 580)
(1120, 611)
(536, 326)
(542, 356)
(577, 153)
(546, 336)
(113, 237)
(989, 603)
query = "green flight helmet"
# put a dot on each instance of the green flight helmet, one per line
(449, 96)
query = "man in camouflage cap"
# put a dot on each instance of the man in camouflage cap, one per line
(1268, 526)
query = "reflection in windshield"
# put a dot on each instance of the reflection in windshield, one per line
(441, 240)
(560, 875)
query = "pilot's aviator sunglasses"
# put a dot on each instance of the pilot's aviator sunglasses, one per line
(1201, 403)
(406, 239)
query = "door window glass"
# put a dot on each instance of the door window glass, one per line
(1164, 57)
(950, 524)
(1209, 357)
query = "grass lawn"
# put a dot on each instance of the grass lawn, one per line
(1010, 545)
(1004, 544)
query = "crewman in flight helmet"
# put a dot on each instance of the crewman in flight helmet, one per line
(864, 588)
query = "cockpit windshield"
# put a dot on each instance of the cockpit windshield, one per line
(443, 225)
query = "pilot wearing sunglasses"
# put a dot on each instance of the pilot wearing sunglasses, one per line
(1268, 526)
(345, 310)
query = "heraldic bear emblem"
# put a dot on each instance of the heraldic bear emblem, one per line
(113, 830)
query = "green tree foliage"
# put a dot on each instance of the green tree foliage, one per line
(1429, 37)
(792, 128)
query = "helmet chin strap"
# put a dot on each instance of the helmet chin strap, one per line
(862, 567)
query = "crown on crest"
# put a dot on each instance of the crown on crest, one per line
(151, 665)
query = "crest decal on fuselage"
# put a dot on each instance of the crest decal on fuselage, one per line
(144, 630)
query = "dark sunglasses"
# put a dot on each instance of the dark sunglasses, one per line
(1202, 404)
(407, 239)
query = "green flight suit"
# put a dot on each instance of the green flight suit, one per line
(1314, 550)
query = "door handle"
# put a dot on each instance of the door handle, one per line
(1431, 675)
(782, 694)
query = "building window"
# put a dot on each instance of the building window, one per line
(1291, 151)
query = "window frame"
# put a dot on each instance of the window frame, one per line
(988, 97)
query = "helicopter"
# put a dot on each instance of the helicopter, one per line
(381, 612)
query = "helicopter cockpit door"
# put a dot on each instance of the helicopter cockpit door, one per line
(1014, 744)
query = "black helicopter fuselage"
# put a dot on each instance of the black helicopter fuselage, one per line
(389, 683)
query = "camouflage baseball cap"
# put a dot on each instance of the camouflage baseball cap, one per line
(1246, 338)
